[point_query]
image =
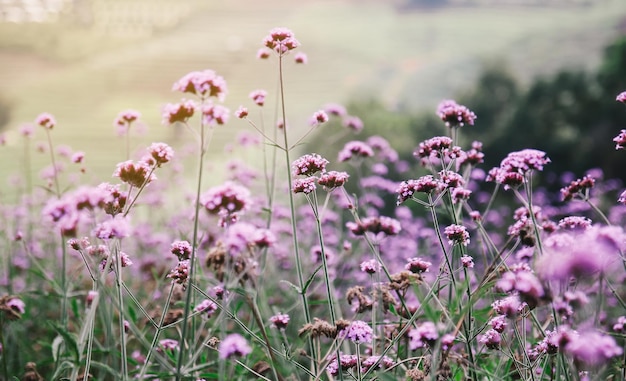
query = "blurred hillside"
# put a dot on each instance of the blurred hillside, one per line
(84, 61)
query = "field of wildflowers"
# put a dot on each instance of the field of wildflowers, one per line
(279, 273)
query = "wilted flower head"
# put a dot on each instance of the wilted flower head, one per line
(455, 115)
(234, 345)
(204, 84)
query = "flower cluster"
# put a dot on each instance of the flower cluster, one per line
(577, 187)
(376, 225)
(454, 114)
(355, 149)
(425, 184)
(229, 198)
(178, 112)
(204, 84)
(457, 234)
(516, 165)
(281, 40)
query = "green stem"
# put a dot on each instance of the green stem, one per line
(292, 208)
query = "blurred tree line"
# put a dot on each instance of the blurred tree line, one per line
(572, 115)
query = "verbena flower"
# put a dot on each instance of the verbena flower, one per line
(319, 117)
(301, 58)
(180, 273)
(577, 187)
(620, 140)
(454, 114)
(308, 165)
(178, 112)
(491, 339)
(181, 249)
(593, 348)
(467, 261)
(376, 225)
(241, 113)
(385, 362)
(417, 265)
(457, 234)
(621, 97)
(425, 184)
(161, 153)
(306, 185)
(352, 122)
(371, 266)
(167, 345)
(332, 179)
(258, 97)
(214, 114)
(134, 173)
(229, 198)
(207, 307)
(46, 121)
(516, 165)
(358, 332)
(205, 84)
(355, 149)
(279, 321)
(425, 334)
(281, 40)
(347, 362)
(234, 345)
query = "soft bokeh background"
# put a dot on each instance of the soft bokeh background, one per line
(86, 60)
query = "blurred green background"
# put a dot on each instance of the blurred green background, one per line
(86, 60)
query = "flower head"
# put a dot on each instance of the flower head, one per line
(308, 165)
(301, 58)
(234, 345)
(279, 321)
(204, 84)
(135, 174)
(281, 40)
(620, 140)
(178, 112)
(621, 97)
(457, 234)
(358, 332)
(355, 149)
(46, 120)
(258, 97)
(332, 179)
(455, 115)
(417, 265)
(226, 198)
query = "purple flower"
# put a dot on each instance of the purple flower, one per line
(213, 114)
(181, 249)
(593, 348)
(384, 362)
(178, 112)
(467, 262)
(455, 115)
(417, 265)
(433, 147)
(308, 165)
(258, 97)
(577, 187)
(301, 58)
(318, 118)
(180, 273)
(621, 97)
(135, 174)
(16, 304)
(281, 40)
(425, 334)
(424, 184)
(234, 345)
(516, 165)
(241, 112)
(353, 123)
(620, 140)
(457, 234)
(204, 83)
(491, 339)
(167, 345)
(355, 149)
(575, 223)
(117, 227)
(206, 306)
(305, 186)
(371, 267)
(620, 324)
(376, 225)
(227, 198)
(498, 323)
(358, 332)
(332, 179)
(347, 362)
(279, 321)
(46, 120)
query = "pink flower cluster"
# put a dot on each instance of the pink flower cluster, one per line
(204, 84)
(454, 114)
(516, 165)
(281, 40)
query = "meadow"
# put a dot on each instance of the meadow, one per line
(209, 247)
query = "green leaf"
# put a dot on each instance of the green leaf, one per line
(68, 339)
(105, 368)
(296, 288)
(310, 280)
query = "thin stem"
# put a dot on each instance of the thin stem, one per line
(157, 333)
(120, 306)
(292, 208)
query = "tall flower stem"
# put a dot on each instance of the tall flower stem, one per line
(194, 249)
(57, 190)
(292, 208)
